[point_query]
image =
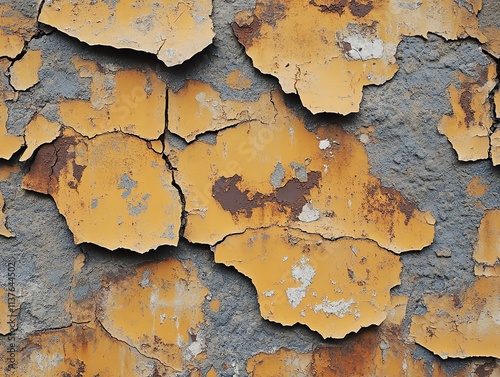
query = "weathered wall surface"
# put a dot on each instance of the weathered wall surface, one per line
(167, 209)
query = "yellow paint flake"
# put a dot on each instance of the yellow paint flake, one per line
(6, 171)
(112, 189)
(15, 30)
(215, 305)
(497, 104)
(236, 80)
(327, 51)
(3, 229)
(468, 127)
(463, 325)
(126, 100)
(172, 30)
(259, 175)
(495, 147)
(24, 72)
(333, 287)
(197, 108)
(490, 26)
(39, 131)
(476, 188)
(487, 248)
(158, 311)
(82, 350)
(9, 144)
(8, 310)
(211, 373)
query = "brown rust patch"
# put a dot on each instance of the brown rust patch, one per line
(334, 7)
(247, 28)
(360, 9)
(465, 104)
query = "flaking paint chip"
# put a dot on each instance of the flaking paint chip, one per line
(487, 248)
(327, 52)
(39, 131)
(15, 30)
(9, 144)
(172, 30)
(113, 190)
(321, 284)
(24, 72)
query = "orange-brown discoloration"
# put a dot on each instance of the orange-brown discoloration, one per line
(327, 51)
(236, 80)
(172, 30)
(9, 144)
(39, 131)
(24, 72)
(3, 229)
(15, 30)
(259, 175)
(333, 287)
(468, 127)
(113, 190)
(462, 325)
(487, 248)
(9, 307)
(158, 311)
(130, 101)
(282, 363)
(197, 108)
(476, 188)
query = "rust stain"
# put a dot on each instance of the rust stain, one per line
(470, 329)
(468, 127)
(39, 131)
(487, 249)
(258, 175)
(333, 287)
(3, 229)
(15, 30)
(330, 53)
(476, 188)
(112, 189)
(172, 30)
(158, 311)
(24, 72)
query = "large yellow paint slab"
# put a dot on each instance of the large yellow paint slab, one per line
(130, 101)
(172, 30)
(113, 190)
(157, 311)
(197, 108)
(487, 248)
(333, 287)
(39, 131)
(24, 72)
(15, 30)
(9, 144)
(463, 325)
(327, 51)
(259, 175)
(468, 127)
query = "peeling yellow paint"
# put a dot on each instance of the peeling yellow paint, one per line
(24, 72)
(158, 311)
(497, 103)
(113, 190)
(39, 131)
(211, 373)
(333, 287)
(259, 175)
(130, 101)
(157, 146)
(197, 108)
(8, 311)
(476, 188)
(468, 127)
(15, 30)
(487, 248)
(463, 325)
(7, 171)
(9, 144)
(215, 305)
(3, 229)
(172, 30)
(82, 350)
(327, 51)
(236, 80)
(6, 90)
(282, 363)
(79, 262)
(495, 147)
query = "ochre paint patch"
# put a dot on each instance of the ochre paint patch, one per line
(476, 188)
(3, 229)
(82, 350)
(9, 144)
(462, 325)
(172, 30)
(112, 189)
(197, 108)
(24, 72)
(15, 30)
(333, 287)
(326, 52)
(158, 311)
(259, 175)
(236, 80)
(468, 127)
(39, 131)
(487, 248)
(495, 147)
(130, 101)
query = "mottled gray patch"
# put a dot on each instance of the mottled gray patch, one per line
(277, 175)
(127, 184)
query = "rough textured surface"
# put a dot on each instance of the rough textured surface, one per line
(39, 131)
(3, 229)
(16, 28)
(487, 248)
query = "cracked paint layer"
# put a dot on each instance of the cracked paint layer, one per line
(130, 101)
(113, 190)
(468, 127)
(174, 31)
(24, 72)
(463, 325)
(489, 23)
(157, 311)
(9, 144)
(197, 108)
(82, 349)
(334, 49)
(3, 229)
(39, 131)
(333, 287)
(495, 147)
(15, 30)
(487, 248)
(257, 175)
